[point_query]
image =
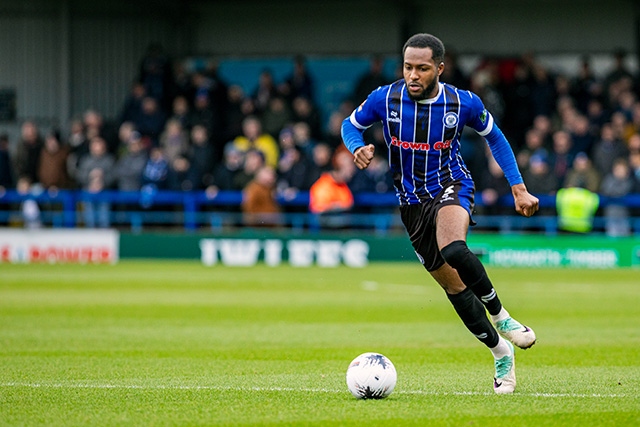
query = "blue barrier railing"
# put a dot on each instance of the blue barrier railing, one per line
(193, 209)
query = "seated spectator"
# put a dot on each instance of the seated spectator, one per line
(492, 186)
(617, 184)
(331, 192)
(174, 140)
(52, 169)
(607, 150)
(95, 174)
(128, 168)
(253, 138)
(259, 206)
(582, 174)
(253, 162)
(156, 170)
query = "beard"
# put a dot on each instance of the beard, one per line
(425, 93)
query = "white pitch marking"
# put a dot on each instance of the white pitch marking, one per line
(292, 389)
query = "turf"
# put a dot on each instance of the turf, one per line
(177, 343)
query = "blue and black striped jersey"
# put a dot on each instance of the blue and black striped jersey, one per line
(423, 137)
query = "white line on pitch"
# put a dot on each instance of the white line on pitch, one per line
(292, 389)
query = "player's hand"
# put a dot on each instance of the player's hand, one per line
(363, 155)
(526, 203)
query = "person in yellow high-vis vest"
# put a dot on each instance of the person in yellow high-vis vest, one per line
(576, 208)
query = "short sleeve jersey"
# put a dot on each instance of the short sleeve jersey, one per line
(423, 137)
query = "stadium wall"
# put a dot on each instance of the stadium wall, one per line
(250, 247)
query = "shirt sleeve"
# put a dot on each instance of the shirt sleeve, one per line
(361, 119)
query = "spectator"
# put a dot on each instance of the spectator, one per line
(617, 184)
(581, 136)
(332, 135)
(320, 161)
(27, 156)
(492, 187)
(583, 174)
(561, 156)
(259, 205)
(181, 175)
(533, 144)
(303, 138)
(576, 208)
(225, 172)
(6, 169)
(94, 124)
(253, 138)
(201, 157)
(276, 116)
(95, 174)
(305, 111)
(52, 168)
(540, 182)
(370, 80)
(634, 164)
(204, 113)
(133, 104)
(151, 121)
(125, 133)
(156, 74)
(293, 172)
(78, 145)
(174, 140)
(253, 161)
(265, 91)
(240, 106)
(607, 149)
(299, 83)
(156, 171)
(331, 192)
(181, 111)
(128, 168)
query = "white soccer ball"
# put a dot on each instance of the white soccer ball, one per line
(371, 376)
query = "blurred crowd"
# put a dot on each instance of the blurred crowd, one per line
(191, 130)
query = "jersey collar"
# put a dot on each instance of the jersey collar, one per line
(432, 100)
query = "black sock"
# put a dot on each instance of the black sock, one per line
(474, 317)
(472, 273)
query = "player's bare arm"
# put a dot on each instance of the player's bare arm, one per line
(363, 155)
(526, 203)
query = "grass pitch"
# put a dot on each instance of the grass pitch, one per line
(176, 343)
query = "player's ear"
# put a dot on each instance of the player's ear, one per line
(440, 68)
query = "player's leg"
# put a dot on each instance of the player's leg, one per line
(451, 230)
(472, 313)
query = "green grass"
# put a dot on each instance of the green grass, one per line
(176, 343)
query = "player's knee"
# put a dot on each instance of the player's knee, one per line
(456, 254)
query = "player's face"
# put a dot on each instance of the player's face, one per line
(421, 73)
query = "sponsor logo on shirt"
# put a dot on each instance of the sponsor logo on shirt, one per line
(424, 146)
(394, 117)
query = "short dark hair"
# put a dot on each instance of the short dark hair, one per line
(424, 40)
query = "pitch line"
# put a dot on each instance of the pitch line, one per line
(294, 389)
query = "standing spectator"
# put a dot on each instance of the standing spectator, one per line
(300, 82)
(78, 145)
(28, 152)
(95, 174)
(133, 104)
(240, 106)
(128, 168)
(6, 169)
(253, 138)
(371, 80)
(617, 184)
(259, 205)
(561, 156)
(201, 157)
(331, 192)
(607, 149)
(52, 168)
(156, 74)
(265, 91)
(151, 121)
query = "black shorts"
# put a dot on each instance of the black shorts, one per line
(420, 221)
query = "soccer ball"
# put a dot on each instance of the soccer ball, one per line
(371, 376)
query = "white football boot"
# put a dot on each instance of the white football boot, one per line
(517, 333)
(504, 381)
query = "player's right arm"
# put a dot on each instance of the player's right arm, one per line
(353, 126)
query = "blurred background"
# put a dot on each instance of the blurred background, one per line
(215, 115)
